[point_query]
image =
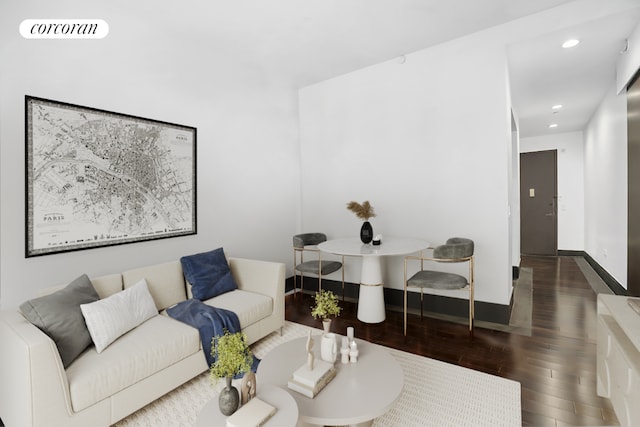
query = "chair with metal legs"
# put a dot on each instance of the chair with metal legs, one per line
(307, 243)
(456, 250)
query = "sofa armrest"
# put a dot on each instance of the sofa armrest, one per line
(34, 389)
(263, 277)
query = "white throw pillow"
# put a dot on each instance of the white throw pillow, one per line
(111, 317)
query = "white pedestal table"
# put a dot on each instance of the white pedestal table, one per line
(371, 307)
(359, 393)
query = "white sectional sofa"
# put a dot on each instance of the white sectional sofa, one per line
(140, 366)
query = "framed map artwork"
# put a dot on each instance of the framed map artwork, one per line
(96, 178)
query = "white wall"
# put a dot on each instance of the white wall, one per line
(248, 193)
(570, 174)
(393, 132)
(426, 142)
(446, 106)
(629, 61)
(606, 185)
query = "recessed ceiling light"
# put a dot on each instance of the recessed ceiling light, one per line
(556, 107)
(553, 125)
(570, 43)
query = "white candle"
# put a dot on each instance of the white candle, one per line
(350, 333)
(345, 355)
(353, 352)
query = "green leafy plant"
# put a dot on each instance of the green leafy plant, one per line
(232, 355)
(326, 305)
(362, 211)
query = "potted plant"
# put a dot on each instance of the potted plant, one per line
(326, 305)
(363, 211)
(232, 356)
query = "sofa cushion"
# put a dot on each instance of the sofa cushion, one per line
(107, 285)
(165, 282)
(208, 274)
(149, 348)
(110, 318)
(250, 307)
(59, 316)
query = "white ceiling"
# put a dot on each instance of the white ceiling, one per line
(306, 41)
(301, 42)
(544, 74)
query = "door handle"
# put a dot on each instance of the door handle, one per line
(549, 214)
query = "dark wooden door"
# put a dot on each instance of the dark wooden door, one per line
(538, 195)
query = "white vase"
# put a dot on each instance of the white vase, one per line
(326, 325)
(329, 347)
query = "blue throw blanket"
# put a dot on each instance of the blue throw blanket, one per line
(210, 322)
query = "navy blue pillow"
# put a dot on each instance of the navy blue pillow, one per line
(208, 273)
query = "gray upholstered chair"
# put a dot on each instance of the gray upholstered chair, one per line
(306, 243)
(457, 249)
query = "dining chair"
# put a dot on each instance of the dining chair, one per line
(455, 250)
(306, 243)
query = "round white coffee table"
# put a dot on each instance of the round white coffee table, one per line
(371, 308)
(286, 409)
(359, 392)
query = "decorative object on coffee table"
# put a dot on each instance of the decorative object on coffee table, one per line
(329, 347)
(248, 387)
(326, 305)
(353, 352)
(363, 211)
(314, 375)
(350, 334)
(358, 393)
(310, 356)
(344, 352)
(311, 381)
(232, 357)
(252, 414)
(344, 348)
(229, 398)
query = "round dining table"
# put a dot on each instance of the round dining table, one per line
(371, 308)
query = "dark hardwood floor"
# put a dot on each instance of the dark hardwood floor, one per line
(556, 365)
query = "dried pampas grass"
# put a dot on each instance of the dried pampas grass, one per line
(362, 211)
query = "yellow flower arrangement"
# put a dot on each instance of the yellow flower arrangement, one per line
(232, 355)
(326, 305)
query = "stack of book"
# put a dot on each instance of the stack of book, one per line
(254, 413)
(311, 381)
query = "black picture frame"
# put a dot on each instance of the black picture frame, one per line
(97, 178)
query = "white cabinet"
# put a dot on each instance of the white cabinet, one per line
(618, 357)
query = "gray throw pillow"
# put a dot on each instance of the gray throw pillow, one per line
(59, 316)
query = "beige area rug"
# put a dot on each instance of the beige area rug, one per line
(435, 394)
